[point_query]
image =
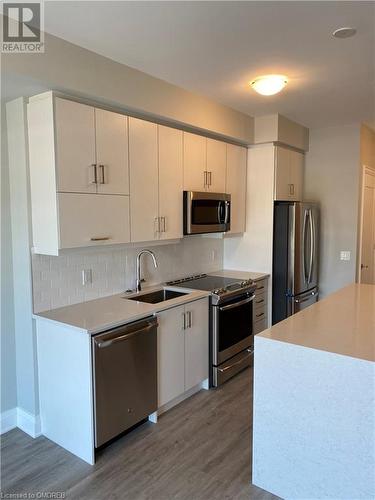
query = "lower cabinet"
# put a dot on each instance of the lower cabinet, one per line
(261, 306)
(182, 349)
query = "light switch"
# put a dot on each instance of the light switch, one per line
(86, 276)
(345, 255)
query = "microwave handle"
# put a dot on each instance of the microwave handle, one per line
(226, 216)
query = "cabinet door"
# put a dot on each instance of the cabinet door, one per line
(75, 146)
(282, 174)
(216, 165)
(170, 182)
(143, 154)
(112, 152)
(93, 219)
(196, 343)
(170, 355)
(236, 186)
(296, 175)
(195, 152)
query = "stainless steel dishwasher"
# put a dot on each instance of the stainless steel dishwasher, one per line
(125, 377)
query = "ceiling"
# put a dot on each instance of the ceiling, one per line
(216, 48)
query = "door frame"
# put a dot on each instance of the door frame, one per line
(366, 169)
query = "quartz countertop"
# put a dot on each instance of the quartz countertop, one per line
(95, 316)
(342, 323)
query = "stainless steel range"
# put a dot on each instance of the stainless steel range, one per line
(231, 323)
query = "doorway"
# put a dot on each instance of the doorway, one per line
(366, 271)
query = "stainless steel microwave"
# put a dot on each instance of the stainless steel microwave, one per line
(206, 212)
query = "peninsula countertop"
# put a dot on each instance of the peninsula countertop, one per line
(342, 323)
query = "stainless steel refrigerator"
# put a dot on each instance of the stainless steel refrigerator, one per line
(295, 258)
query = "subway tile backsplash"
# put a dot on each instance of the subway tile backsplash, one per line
(57, 281)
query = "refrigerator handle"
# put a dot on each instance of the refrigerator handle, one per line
(305, 216)
(312, 244)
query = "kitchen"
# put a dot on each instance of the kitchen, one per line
(87, 229)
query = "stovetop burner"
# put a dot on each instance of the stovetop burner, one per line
(217, 284)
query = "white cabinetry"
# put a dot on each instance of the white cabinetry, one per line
(63, 149)
(170, 182)
(195, 161)
(288, 174)
(155, 181)
(236, 186)
(143, 154)
(216, 166)
(182, 349)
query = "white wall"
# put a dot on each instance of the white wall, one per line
(8, 356)
(332, 179)
(57, 281)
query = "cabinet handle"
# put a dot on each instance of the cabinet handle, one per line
(101, 238)
(163, 230)
(291, 189)
(210, 178)
(157, 225)
(95, 179)
(102, 178)
(205, 178)
(259, 315)
(190, 319)
(259, 301)
(183, 321)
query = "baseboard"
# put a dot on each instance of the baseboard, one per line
(17, 417)
(176, 401)
(8, 420)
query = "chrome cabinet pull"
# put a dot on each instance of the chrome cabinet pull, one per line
(291, 189)
(95, 178)
(183, 321)
(190, 319)
(163, 225)
(157, 225)
(102, 178)
(100, 238)
(210, 178)
(205, 181)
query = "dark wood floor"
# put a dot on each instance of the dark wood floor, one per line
(199, 450)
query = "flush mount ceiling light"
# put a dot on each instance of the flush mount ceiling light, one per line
(269, 84)
(345, 32)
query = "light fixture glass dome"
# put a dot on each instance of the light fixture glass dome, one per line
(269, 84)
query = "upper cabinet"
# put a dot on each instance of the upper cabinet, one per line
(143, 155)
(91, 149)
(204, 164)
(99, 177)
(195, 161)
(170, 182)
(289, 167)
(74, 198)
(155, 181)
(236, 186)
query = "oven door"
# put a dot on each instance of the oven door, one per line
(232, 328)
(206, 212)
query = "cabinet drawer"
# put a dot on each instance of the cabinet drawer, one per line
(260, 314)
(259, 326)
(260, 300)
(261, 286)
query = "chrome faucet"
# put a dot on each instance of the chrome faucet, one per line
(138, 267)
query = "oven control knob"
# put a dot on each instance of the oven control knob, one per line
(219, 291)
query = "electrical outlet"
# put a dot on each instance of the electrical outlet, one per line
(344, 255)
(86, 276)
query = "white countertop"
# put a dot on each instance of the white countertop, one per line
(95, 316)
(342, 323)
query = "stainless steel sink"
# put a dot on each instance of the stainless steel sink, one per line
(158, 296)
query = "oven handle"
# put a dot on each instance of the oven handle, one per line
(250, 353)
(237, 304)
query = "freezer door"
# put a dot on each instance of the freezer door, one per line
(302, 301)
(304, 247)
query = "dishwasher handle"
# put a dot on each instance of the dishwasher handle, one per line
(101, 343)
